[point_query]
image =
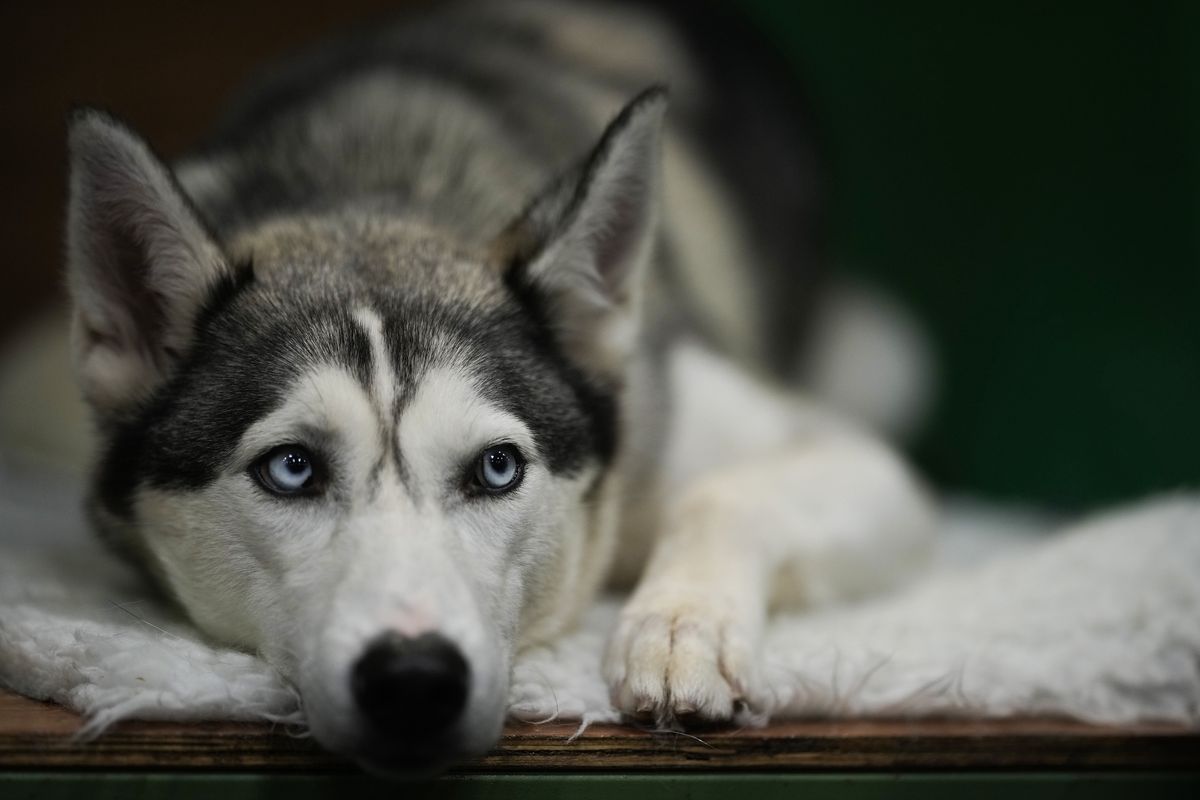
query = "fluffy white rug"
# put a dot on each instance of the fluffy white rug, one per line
(1099, 622)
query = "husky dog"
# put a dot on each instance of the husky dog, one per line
(448, 324)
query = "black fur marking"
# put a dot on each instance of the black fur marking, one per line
(598, 404)
(223, 293)
(517, 365)
(249, 349)
(244, 357)
(397, 447)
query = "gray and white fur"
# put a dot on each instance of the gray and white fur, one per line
(468, 248)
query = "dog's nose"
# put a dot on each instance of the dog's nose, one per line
(411, 687)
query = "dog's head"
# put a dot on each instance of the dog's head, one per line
(375, 456)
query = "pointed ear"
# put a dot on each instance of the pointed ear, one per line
(140, 264)
(582, 246)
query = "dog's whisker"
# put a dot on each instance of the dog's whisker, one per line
(143, 620)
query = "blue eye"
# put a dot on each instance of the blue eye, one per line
(287, 470)
(499, 468)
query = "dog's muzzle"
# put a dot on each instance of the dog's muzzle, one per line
(411, 690)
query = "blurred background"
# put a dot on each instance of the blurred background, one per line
(1024, 177)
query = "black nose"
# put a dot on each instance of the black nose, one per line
(411, 688)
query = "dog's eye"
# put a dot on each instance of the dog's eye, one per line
(288, 470)
(500, 468)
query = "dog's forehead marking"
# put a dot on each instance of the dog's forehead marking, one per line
(384, 390)
(383, 375)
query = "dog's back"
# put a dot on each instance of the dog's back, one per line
(460, 116)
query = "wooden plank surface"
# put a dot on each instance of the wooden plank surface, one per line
(36, 735)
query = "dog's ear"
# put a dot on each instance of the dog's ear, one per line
(580, 248)
(140, 264)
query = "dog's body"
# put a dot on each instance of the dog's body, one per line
(389, 381)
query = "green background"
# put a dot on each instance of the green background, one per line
(659, 785)
(1026, 177)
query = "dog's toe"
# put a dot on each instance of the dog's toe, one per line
(697, 688)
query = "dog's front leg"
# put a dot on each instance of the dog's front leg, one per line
(835, 516)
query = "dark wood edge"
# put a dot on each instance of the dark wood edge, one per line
(39, 736)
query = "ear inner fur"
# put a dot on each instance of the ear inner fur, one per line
(582, 245)
(140, 263)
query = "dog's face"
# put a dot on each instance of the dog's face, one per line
(373, 456)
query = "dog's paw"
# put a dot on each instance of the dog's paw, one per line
(682, 663)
